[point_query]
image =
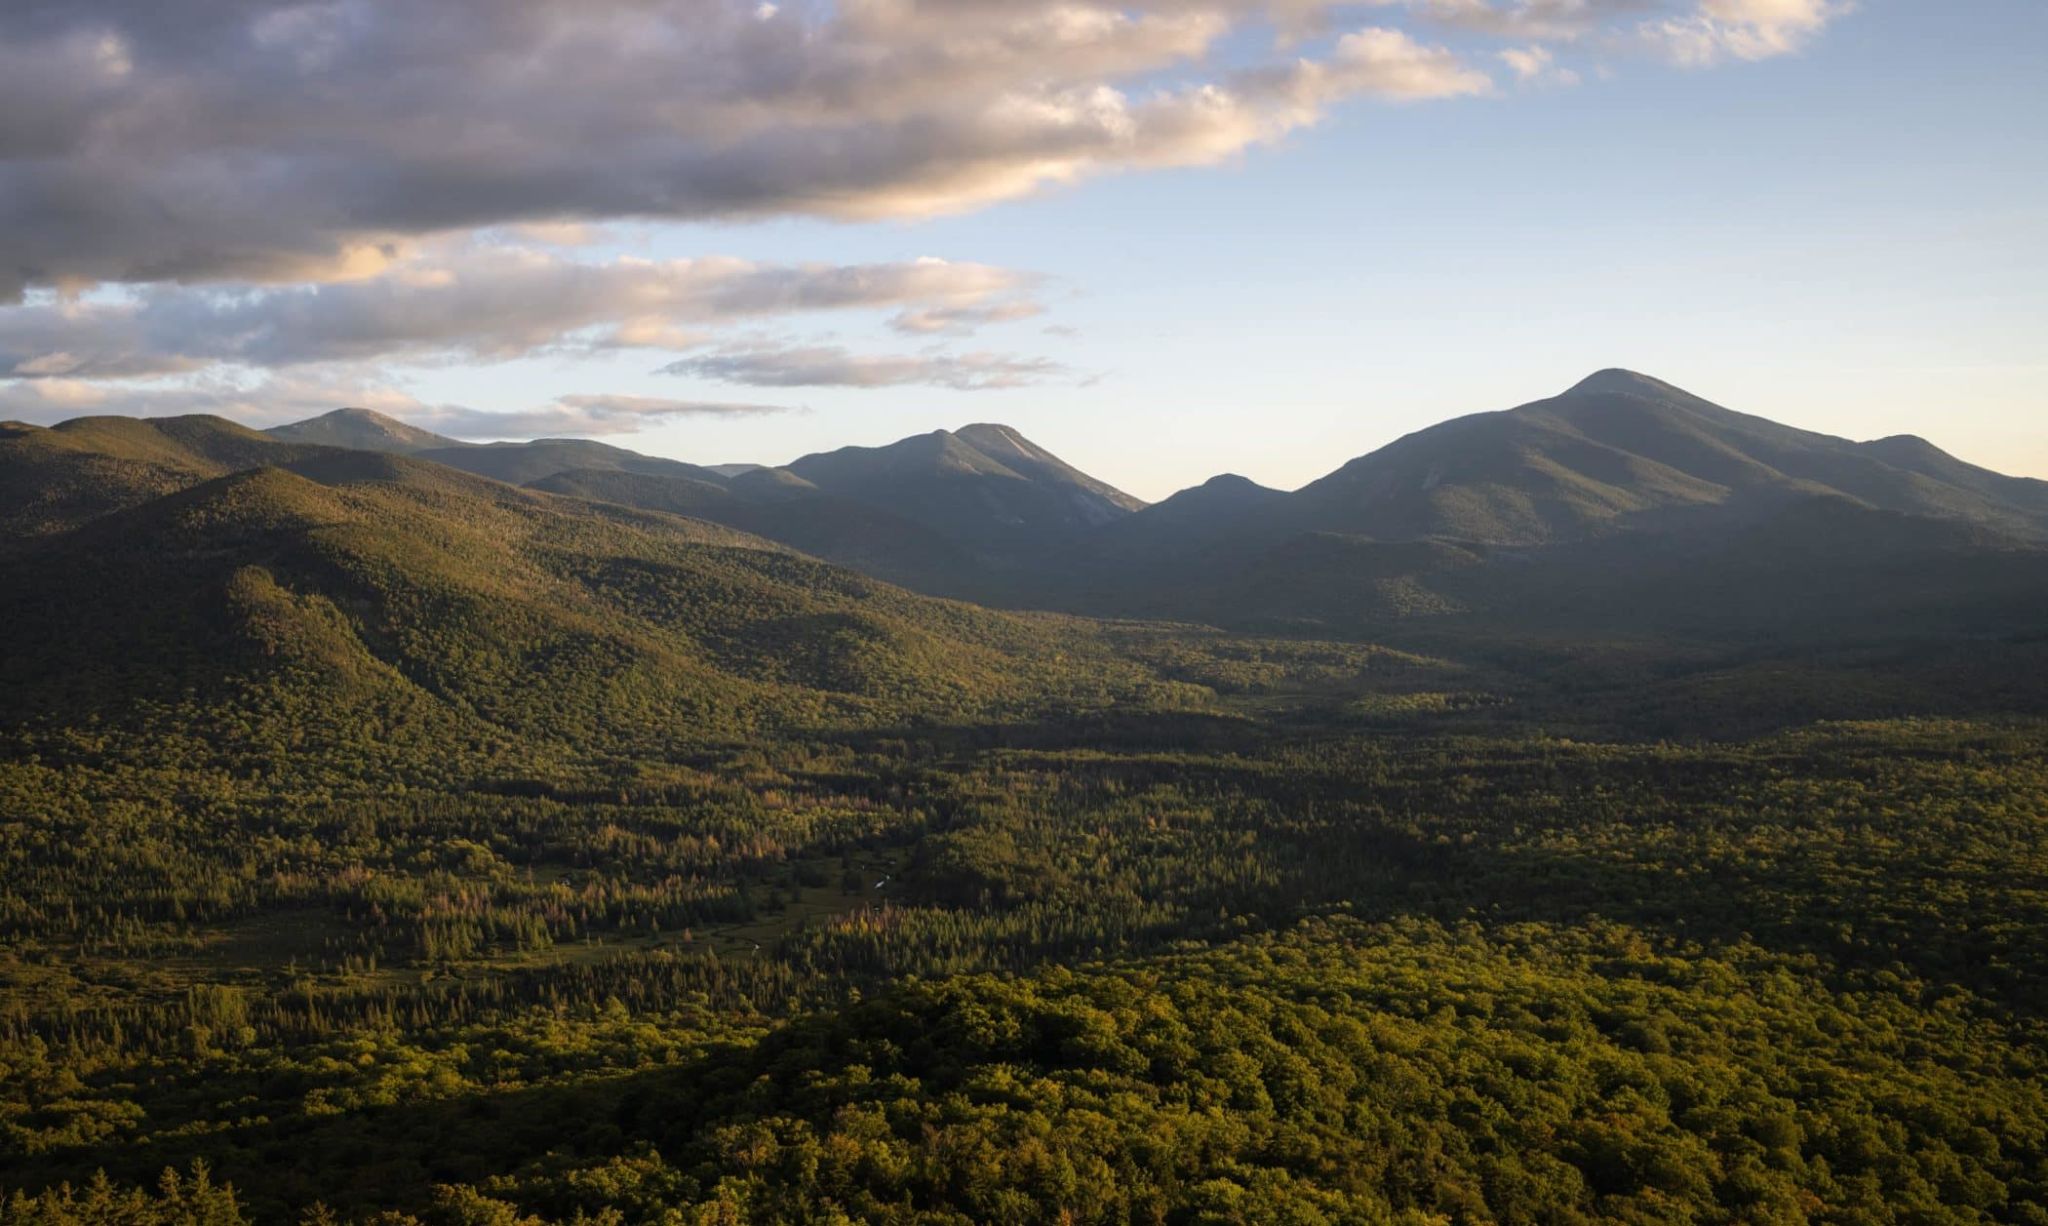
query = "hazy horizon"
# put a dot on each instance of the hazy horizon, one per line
(1109, 476)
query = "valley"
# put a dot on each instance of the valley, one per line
(1618, 809)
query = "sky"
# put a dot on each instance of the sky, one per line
(1162, 238)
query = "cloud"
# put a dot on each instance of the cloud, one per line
(1691, 33)
(276, 400)
(962, 320)
(1535, 65)
(1381, 62)
(1539, 20)
(481, 303)
(1740, 29)
(577, 416)
(201, 190)
(835, 366)
(273, 354)
(275, 141)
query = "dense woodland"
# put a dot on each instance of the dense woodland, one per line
(382, 843)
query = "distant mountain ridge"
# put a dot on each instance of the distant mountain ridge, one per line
(1616, 451)
(1622, 485)
(1620, 446)
(936, 511)
(362, 430)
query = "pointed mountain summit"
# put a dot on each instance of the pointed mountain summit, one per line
(1621, 450)
(1615, 381)
(1021, 455)
(362, 430)
(985, 485)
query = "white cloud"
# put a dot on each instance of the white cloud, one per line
(1720, 30)
(836, 366)
(1537, 20)
(481, 303)
(1693, 33)
(577, 416)
(273, 185)
(962, 320)
(350, 131)
(1536, 65)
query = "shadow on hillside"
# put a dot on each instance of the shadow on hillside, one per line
(1115, 730)
(380, 1157)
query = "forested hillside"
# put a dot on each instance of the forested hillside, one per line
(383, 842)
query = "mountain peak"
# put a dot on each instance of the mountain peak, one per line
(995, 436)
(360, 417)
(1615, 381)
(1223, 492)
(985, 483)
(361, 429)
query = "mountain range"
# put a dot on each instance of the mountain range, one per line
(1623, 506)
(1618, 451)
(1603, 502)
